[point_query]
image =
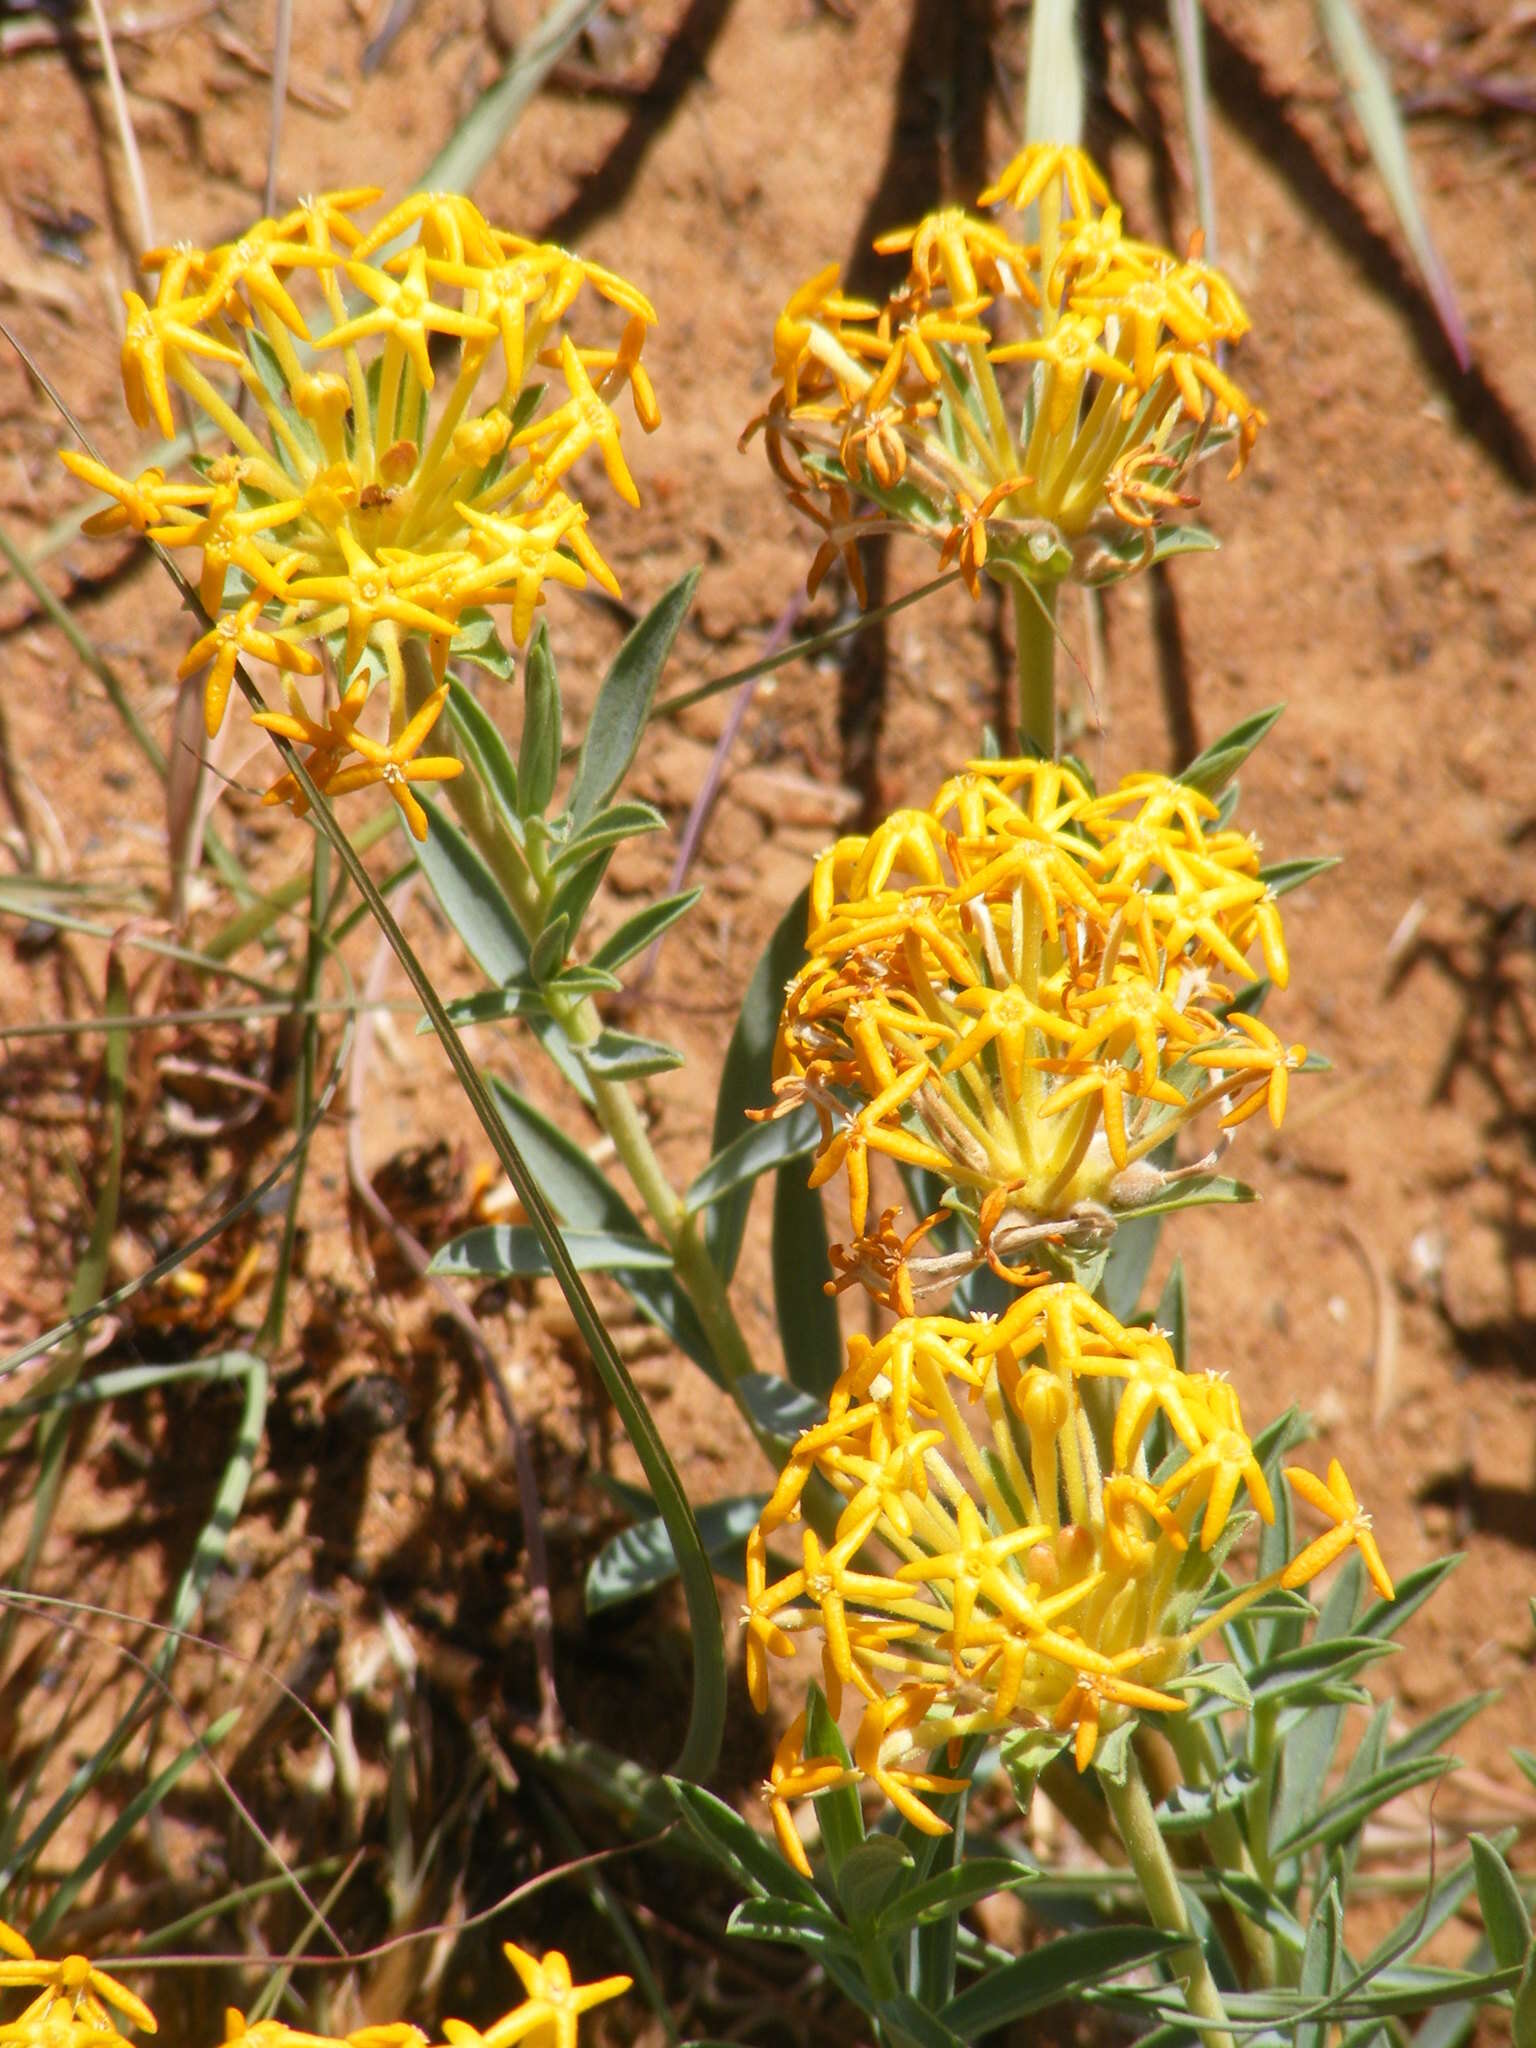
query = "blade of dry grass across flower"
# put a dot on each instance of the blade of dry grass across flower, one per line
(706, 1726)
(130, 142)
(484, 128)
(1054, 91)
(282, 51)
(1186, 23)
(1365, 79)
(415, 1254)
(798, 650)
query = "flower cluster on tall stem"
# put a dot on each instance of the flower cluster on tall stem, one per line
(1026, 989)
(393, 470)
(1073, 470)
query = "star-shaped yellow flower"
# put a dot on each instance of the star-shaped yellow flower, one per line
(397, 765)
(1351, 1525)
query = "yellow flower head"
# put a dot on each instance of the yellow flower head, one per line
(1076, 468)
(1023, 988)
(78, 2006)
(393, 468)
(1032, 1509)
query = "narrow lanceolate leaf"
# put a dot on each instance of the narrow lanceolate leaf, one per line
(838, 1811)
(620, 1056)
(778, 1408)
(746, 1081)
(737, 1847)
(641, 1558)
(637, 932)
(1506, 1922)
(478, 641)
(473, 902)
(1286, 875)
(1062, 1968)
(952, 1891)
(871, 1872)
(1320, 1962)
(1370, 92)
(814, 1929)
(617, 822)
(1214, 767)
(624, 701)
(486, 752)
(1341, 1816)
(753, 1152)
(809, 1330)
(503, 1251)
(538, 754)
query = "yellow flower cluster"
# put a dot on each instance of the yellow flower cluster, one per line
(902, 403)
(363, 497)
(1006, 1555)
(72, 2009)
(1016, 989)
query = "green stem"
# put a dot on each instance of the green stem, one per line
(1131, 1809)
(1034, 621)
(1228, 1847)
(529, 895)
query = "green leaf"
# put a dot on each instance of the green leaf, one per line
(573, 899)
(1366, 80)
(1062, 1968)
(871, 1872)
(737, 1847)
(1342, 1815)
(538, 753)
(752, 1153)
(1292, 1677)
(1112, 1758)
(1189, 1808)
(1127, 1264)
(525, 998)
(1506, 1922)
(1433, 1734)
(639, 931)
(1386, 1617)
(624, 701)
(812, 1928)
(952, 1891)
(478, 641)
(548, 955)
(581, 1197)
(1320, 1962)
(639, 1559)
(1223, 1681)
(1214, 766)
(1172, 1313)
(513, 1251)
(618, 822)
(1308, 1752)
(1523, 2023)
(907, 2019)
(620, 1056)
(779, 1407)
(838, 1811)
(1195, 1194)
(1256, 1903)
(809, 1330)
(1026, 1753)
(486, 752)
(473, 902)
(1183, 540)
(1286, 875)
(746, 1080)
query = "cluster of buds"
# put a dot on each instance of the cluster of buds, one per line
(1013, 1551)
(1018, 989)
(365, 496)
(80, 2006)
(1077, 473)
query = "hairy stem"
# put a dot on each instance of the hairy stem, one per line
(1136, 1823)
(1034, 620)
